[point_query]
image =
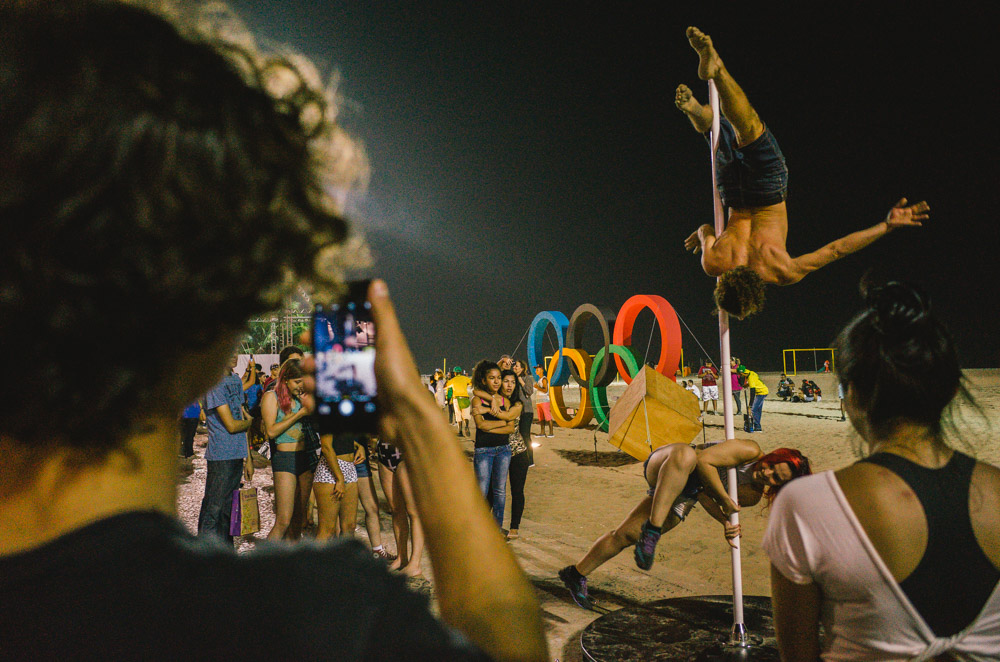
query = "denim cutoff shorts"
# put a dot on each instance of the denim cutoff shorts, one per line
(751, 176)
(293, 462)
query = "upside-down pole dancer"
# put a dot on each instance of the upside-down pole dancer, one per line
(752, 178)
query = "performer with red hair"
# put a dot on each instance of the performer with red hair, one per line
(679, 477)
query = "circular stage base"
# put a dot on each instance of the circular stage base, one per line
(691, 629)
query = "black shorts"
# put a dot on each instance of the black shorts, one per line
(293, 462)
(754, 175)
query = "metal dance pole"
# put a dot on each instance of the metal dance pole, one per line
(739, 636)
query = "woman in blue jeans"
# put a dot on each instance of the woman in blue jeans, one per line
(492, 456)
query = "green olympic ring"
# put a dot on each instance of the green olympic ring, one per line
(599, 394)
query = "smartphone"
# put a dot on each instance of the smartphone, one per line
(344, 351)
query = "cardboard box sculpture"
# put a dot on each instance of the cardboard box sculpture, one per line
(671, 412)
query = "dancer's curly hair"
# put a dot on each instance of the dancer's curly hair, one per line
(740, 292)
(163, 180)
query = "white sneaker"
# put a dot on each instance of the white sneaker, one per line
(549, 436)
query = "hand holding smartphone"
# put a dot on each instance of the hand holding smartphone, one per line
(344, 351)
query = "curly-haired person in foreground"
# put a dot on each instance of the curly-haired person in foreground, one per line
(752, 178)
(165, 179)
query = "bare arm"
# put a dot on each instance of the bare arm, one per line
(513, 412)
(704, 240)
(250, 376)
(712, 507)
(231, 424)
(475, 574)
(498, 427)
(730, 453)
(900, 216)
(496, 400)
(326, 448)
(796, 618)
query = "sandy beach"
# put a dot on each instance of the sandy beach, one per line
(575, 493)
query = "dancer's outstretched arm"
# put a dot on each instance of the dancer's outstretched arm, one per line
(475, 573)
(900, 216)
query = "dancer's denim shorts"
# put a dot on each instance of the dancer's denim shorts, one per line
(751, 176)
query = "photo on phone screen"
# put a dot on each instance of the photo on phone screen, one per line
(344, 350)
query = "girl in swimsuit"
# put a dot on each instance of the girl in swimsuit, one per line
(292, 464)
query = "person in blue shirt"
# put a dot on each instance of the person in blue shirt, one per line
(228, 455)
(190, 417)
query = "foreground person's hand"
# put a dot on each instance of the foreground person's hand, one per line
(475, 574)
(395, 370)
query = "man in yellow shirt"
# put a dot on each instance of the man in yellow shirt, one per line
(759, 392)
(458, 388)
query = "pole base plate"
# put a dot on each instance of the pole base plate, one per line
(694, 629)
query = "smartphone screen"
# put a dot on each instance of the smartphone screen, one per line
(344, 350)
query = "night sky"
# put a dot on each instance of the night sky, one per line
(529, 157)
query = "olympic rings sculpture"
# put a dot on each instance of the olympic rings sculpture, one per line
(595, 373)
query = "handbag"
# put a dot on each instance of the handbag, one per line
(516, 443)
(244, 518)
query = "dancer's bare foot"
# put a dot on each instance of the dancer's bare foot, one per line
(699, 114)
(412, 570)
(709, 61)
(395, 564)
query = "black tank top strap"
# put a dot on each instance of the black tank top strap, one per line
(954, 578)
(490, 439)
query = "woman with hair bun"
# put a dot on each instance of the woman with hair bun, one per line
(898, 554)
(678, 477)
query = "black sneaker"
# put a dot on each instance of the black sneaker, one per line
(577, 587)
(645, 548)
